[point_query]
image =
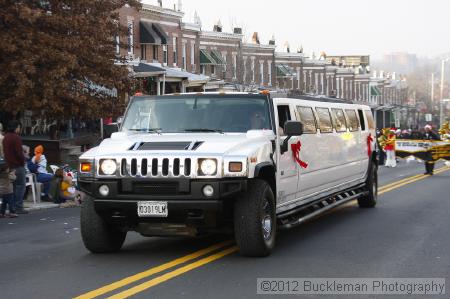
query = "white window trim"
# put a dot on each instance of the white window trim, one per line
(130, 23)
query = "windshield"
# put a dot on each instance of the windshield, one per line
(197, 114)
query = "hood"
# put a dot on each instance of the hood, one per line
(176, 143)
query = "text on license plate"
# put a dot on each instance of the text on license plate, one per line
(152, 209)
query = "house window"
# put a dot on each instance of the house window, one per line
(175, 56)
(155, 52)
(184, 56)
(165, 54)
(202, 69)
(143, 52)
(244, 79)
(213, 69)
(269, 71)
(234, 66)
(192, 53)
(261, 71)
(130, 38)
(224, 56)
(253, 69)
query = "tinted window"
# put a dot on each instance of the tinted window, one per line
(339, 120)
(370, 122)
(325, 125)
(353, 122)
(307, 118)
(361, 120)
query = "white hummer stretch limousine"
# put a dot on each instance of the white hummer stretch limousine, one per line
(198, 163)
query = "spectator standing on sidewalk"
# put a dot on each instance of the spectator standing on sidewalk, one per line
(429, 135)
(13, 151)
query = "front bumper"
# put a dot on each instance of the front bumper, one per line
(186, 202)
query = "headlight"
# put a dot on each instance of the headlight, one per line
(208, 167)
(108, 167)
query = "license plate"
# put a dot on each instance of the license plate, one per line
(152, 209)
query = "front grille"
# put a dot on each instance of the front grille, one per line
(156, 167)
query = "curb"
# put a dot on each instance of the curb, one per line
(40, 206)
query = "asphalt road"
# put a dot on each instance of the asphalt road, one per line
(406, 235)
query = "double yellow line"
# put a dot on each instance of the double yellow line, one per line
(211, 254)
(408, 180)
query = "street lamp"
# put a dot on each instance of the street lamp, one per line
(441, 116)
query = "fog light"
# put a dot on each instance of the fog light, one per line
(208, 190)
(103, 190)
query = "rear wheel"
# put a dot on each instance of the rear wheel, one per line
(97, 235)
(255, 220)
(370, 200)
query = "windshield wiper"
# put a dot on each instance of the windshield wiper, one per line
(152, 130)
(204, 130)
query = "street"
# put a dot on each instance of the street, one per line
(406, 235)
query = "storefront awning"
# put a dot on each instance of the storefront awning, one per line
(143, 70)
(205, 58)
(147, 34)
(375, 91)
(162, 34)
(218, 57)
(283, 71)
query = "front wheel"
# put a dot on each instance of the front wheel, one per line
(97, 235)
(255, 220)
(370, 200)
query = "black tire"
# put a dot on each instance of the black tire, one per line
(252, 212)
(370, 200)
(97, 235)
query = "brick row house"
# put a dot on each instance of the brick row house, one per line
(170, 55)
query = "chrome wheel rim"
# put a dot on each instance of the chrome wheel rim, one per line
(266, 220)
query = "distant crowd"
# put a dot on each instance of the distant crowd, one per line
(386, 143)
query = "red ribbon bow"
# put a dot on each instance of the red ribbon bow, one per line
(369, 145)
(296, 153)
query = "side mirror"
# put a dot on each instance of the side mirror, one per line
(291, 128)
(109, 129)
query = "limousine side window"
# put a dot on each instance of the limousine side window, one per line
(325, 124)
(339, 120)
(370, 122)
(361, 120)
(352, 119)
(284, 115)
(308, 119)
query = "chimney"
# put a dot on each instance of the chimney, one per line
(255, 38)
(288, 48)
(217, 26)
(237, 30)
(160, 3)
(272, 41)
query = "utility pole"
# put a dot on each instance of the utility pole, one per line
(432, 88)
(441, 116)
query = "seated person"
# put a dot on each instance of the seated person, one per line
(68, 195)
(40, 166)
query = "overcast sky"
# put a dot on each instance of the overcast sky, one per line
(335, 26)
